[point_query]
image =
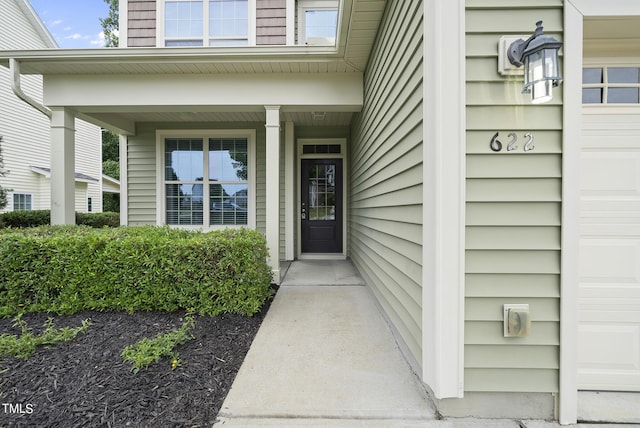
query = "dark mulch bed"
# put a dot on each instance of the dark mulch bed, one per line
(84, 383)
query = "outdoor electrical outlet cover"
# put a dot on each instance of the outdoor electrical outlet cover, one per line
(517, 320)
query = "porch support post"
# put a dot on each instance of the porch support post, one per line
(273, 189)
(62, 167)
(289, 189)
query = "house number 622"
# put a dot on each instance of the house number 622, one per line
(496, 145)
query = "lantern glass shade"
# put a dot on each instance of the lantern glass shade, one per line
(541, 74)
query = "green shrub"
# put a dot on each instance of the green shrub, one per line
(66, 269)
(22, 219)
(98, 220)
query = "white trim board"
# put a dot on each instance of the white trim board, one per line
(444, 173)
(574, 13)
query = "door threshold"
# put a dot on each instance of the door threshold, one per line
(322, 256)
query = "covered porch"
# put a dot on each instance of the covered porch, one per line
(148, 96)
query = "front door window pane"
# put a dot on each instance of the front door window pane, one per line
(322, 192)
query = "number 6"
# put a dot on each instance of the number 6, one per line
(495, 144)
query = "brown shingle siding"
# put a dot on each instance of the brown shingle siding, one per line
(271, 26)
(141, 23)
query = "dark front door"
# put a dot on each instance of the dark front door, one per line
(321, 210)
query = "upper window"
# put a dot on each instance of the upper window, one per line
(317, 22)
(206, 180)
(206, 23)
(22, 202)
(611, 85)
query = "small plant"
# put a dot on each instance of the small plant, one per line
(25, 345)
(147, 351)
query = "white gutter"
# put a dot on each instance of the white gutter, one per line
(14, 67)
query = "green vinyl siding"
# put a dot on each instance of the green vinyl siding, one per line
(141, 177)
(513, 207)
(385, 164)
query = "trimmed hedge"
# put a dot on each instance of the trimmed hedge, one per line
(35, 218)
(67, 269)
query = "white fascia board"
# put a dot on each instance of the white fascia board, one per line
(342, 92)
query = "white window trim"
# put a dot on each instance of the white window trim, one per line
(305, 5)
(251, 36)
(14, 194)
(249, 134)
(574, 13)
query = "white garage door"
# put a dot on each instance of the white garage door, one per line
(609, 305)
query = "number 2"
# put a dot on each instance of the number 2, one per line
(528, 146)
(511, 145)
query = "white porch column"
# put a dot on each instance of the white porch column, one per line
(273, 189)
(63, 167)
(289, 189)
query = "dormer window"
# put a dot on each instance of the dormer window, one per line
(206, 23)
(317, 22)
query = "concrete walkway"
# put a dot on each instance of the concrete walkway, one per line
(325, 357)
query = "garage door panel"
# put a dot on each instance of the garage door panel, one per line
(610, 174)
(592, 380)
(614, 363)
(610, 260)
(618, 348)
(609, 295)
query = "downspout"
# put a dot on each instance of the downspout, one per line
(14, 67)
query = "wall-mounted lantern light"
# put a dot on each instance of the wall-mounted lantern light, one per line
(539, 55)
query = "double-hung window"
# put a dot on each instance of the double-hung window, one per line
(208, 179)
(317, 22)
(206, 22)
(22, 202)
